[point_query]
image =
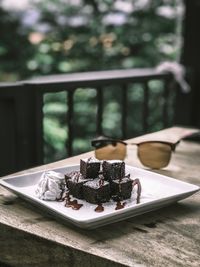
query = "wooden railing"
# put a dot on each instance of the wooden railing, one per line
(21, 110)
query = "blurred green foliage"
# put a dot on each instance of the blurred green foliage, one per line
(62, 36)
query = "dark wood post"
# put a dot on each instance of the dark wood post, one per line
(188, 105)
(20, 141)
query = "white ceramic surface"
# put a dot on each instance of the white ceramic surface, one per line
(157, 191)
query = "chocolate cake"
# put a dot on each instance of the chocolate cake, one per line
(95, 185)
(90, 167)
(96, 191)
(74, 181)
(121, 188)
(113, 169)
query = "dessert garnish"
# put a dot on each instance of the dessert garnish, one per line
(50, 186)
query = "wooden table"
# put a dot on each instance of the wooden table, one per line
(167, 237)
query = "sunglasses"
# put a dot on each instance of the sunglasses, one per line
(152, 154)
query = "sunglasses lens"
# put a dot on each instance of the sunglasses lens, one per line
(154, 155)
(109, 152)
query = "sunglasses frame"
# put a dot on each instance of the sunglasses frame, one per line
(103, 141)
(172, 145)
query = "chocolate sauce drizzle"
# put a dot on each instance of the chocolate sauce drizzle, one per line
(101, 181)
(139, 189)
(120, 205)
(99, 208)
(62, 196)
(65, 196)
(72, 203)
(77, 176)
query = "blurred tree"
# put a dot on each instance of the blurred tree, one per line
(68, 36)
(82, 35)
(15, 49)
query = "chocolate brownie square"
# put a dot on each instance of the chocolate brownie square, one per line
(90, 167)
(74, 181)
(113, 169)
(96, 191)
(122, 188)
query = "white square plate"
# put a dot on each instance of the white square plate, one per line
(157, 191)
